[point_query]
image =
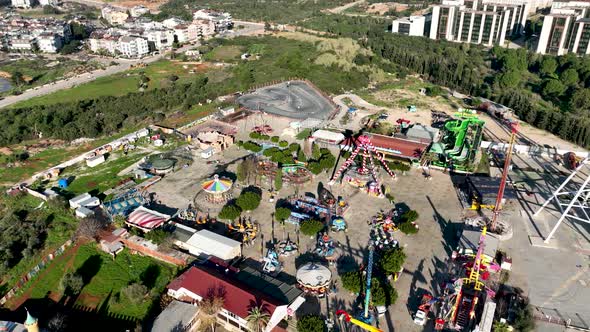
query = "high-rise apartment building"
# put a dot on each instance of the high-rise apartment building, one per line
(488, 22)
(566, 29)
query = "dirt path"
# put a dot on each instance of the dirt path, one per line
(340, 9)
(69, 254)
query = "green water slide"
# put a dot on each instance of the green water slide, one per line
(459, 128)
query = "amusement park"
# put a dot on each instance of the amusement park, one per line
(384, 224)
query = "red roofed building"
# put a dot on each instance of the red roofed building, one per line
(239, 297)
(392, 146)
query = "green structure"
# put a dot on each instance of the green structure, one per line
(459, 144)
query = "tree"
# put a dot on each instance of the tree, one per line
(328, 161)
(525, 321)
(278, 180)
(57, 323)
(275, 139)
(552, 89)
(569, 77)
(229, 212)
(79, 31)
(90, 227)
(257, 319)
(283, 144)
(501, 327)
(408, 228)
(315, 151)
(382, 293)
(17, 78)
(71, 47)
(282, 213)
(548, 66)
(315, 167)
(510, 79)
(248, 201)
(210, 306)
(311, 323)
(580, 102)
(71, 283)
(311, 227)
(352, 281)
(172, 78)
(301, 156)
(135, 292)
(50, 10)
(433, 91)
(241, 172)
(392, 260)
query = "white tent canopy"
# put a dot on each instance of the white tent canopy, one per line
(314, 275)
(209, 243)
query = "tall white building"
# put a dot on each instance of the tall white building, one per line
(133, 47)
(22, 3)
(49, 42)
(159, 38)
(566, 29)
(411, 26)
(488, 22)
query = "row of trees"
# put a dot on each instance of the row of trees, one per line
(248, 200)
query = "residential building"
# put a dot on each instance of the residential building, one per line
(566, 29)
(178, 316)
(201, 29)
(22, 3)
(222, 21)
(172, 22)
(487, 22)
(241, 287)
(49, 42)
(22, 43)
(113, 15)
(181, 33)
(138, 10)
(159, 39)
(410, 26)
(133, 46)
(100, 41)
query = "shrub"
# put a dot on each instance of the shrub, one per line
(410, 216)
(382, 293)
(408, 228)
(71, 283)
(398, 166)
(264, 137)
(311, 323)
(157, 236)
(282, 213)
(315, 167)
(352, 281)
(311, 227)
(283, 144)
(251, 146)
(294, 147)
(304, 134)
(254, 135)
(229, 212)
(135, 292)
(392, 260)
(274, 139)
(248, 201)
(278, 180)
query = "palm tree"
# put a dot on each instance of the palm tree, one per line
(209, 307)
(257, 319)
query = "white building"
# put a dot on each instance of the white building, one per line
(181, 33)
(113, 15)
(22, 43)
(103, 42)
(159, 38)
(487, 22)
(566, 29)
(222, 21)
(138, 10)
(48, 2)
(95, 160)
(201, 29)
(22, 3)
(49, 43)
(133, 47)
(172, 22)
(411, 26)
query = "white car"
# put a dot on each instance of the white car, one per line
(381, 310)
(420, 318)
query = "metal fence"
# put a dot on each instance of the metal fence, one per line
(572, 320)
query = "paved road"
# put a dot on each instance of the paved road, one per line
(124, 64)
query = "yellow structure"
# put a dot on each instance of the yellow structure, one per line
(31, 323)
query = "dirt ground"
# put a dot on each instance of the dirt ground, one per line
(383, 7)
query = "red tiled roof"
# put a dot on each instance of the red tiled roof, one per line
(238, 300)
(397, 146)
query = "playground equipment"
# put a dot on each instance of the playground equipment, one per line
(426, 303)
(270, 263)
(314, 278)
(325, 247)
(191, 214)
(338, 224)
(500, 196)
(363, 176)
(125, 203)
(326, 197)
(342, 314)
(382, 228)
(287, 248)
(246, 228)
(218, 190)
(403, 123)
(263, 129)
(459, 145)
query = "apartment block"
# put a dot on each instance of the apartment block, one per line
(221, 21)
(49, 42)
(113, 15)
(133, 47)
(22, 3)
(566, 29)
(487, 22)
(159, 38)
(411, 26)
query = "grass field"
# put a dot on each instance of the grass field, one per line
(118, 84)
(225, 53)
(105, 277)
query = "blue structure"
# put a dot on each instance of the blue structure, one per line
(125, 204)
(62, 183)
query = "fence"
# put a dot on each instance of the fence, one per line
(34, 271)
(554, 316)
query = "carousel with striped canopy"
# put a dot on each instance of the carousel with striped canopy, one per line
(217, 190)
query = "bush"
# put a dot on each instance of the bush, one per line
(229, 212)
(251, 146)
(135, 292)
(311, 323)
(311, 227)
(398, 166)
(283, 144)
(264, 137)
(71, 283)
(282, 213)
(248, 201)
(525, 321)
(382, 293)
(392, 260)
(315, 167)
(305, 133)
(352, 281)
(254, 135)
(274, 139)
(278, 180)
(434, 91)
(157, 236)
(294, 147)
(410, 216)
(408, 228)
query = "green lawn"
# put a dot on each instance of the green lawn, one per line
(105, 278)
(117, 84)
(225, 53)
